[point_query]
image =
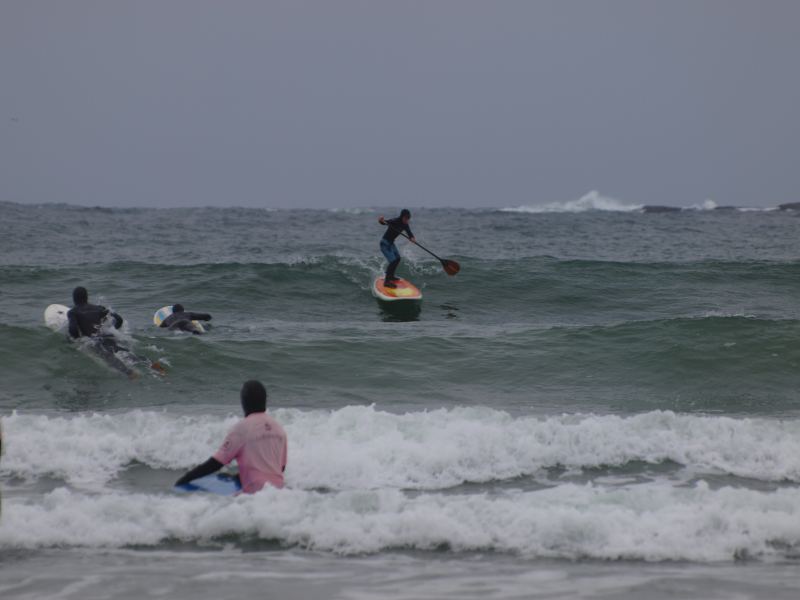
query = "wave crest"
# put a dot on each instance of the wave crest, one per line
(645, 522)
(359, 447)
(591, 201)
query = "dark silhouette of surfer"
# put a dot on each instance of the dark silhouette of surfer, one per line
(88, 320)
(394, 227)
(181, 320)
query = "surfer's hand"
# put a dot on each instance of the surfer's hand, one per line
(381, 220)
(413, 239)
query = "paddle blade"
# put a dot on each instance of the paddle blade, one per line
(451, 267)
(158, 367)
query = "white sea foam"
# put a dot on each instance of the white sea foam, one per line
(354, 210)
(707, 204)
(757, 209)
(591, 201)
(359, 447)
(655, 521)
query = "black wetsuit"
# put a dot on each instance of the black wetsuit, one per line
(394, 228)
(183, 321)
(86, 320)
(212, 465)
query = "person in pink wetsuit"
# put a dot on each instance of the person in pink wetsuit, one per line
(257, 442)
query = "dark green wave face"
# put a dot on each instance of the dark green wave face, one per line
(598, 312)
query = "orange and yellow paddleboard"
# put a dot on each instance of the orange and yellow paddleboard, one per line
(404, 290)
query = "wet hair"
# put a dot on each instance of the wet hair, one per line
(405, 213)
(253, 397)
(177, 308)
(80, 295)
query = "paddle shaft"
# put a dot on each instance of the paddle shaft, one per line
(414, 242)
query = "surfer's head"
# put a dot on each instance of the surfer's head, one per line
(176, 308)
(405, 214)
(254, 397)
(80, 295)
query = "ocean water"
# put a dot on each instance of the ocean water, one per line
(603, 403)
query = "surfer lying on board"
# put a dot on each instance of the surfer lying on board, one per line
(257, 442)
(394, 228)
(182, 320)
(87, 320)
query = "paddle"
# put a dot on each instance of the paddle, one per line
(158, 367)
(450, 267)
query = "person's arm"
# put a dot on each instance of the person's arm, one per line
(199, 316)
(117, 320)
(212, 465)
(226, 453)
(74, 330)
(185, 325)
(400, 227)
(395, 224)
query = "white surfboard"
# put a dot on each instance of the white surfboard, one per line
(55, 317)
(165, 311)
(161, 314)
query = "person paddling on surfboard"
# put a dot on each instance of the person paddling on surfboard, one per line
(87, 320)
(182, 320)
(257, 442)
(394, 228)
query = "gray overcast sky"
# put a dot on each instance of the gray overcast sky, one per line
(419, 103)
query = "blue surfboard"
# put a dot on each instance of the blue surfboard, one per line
(222, 484)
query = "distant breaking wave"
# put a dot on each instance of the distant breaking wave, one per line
(591, 201)
(594, 201)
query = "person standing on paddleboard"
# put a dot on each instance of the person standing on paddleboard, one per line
(394, 227)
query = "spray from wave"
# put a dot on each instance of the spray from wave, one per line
(594, 201)
(591, 201)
